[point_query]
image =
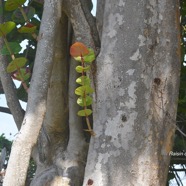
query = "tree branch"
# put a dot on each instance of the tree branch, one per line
(83, 23)
(1, 88)
(177, 170)
(56, 119)
(2, 157)
(84, 27)
(5, 110)
(37, 96)
(9, 87)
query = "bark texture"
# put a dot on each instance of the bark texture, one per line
(136, 78)
(61, 150)
(36, 108)
(9, 87)
(61, 154)
(137, 90)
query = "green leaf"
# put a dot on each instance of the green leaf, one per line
(81, 69)
(18, 17)
(13, 4)
(83, 80)
(85, 112)
(23, 74)
(84, 101)
(15, 48)
(89, 58)
(6, 28)
(82, 90)
(22, 94)
(28, 28)
(78, 58)
(16, 63)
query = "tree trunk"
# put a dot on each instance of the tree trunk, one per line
(61, 150)
(136, 94)
(136, 82)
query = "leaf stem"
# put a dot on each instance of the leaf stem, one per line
(23, 13)
(34, 35)
(89, 126)
(8, 47)
(18, 69)
(84, 99)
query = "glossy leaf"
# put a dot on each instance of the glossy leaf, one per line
(81, 69)
(16, 63)
(28, 28)
(85, 112)
(18, 17)
(82, 90)
(23, 74)
(38, 5)
(6, 28)
(13, 4)
(83, 80)
(15, 48)
(89, 58)
(84, 101)
(78, 49)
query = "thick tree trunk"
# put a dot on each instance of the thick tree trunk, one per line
(135, 100)
(137, 91)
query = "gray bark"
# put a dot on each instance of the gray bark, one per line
(36, 108)
(82, 21)
(2, 157)
(61, 151)
(9, 87)
(137, 91)
(135, 77)
(64, 163)
(10, 92)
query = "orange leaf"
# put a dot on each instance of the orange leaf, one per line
(29, 25)
(78, 49)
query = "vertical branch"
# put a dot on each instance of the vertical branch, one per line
(82, 22)
(9, 87)
(36, 108)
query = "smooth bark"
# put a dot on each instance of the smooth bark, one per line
(36, 108)
(137, 92)
(54, 135)
(9, 87)
(136, 79)
(61, 151)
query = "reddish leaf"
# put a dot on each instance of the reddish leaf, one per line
(23, 74)
(28, 28)
(29, 25)
(78, 49)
